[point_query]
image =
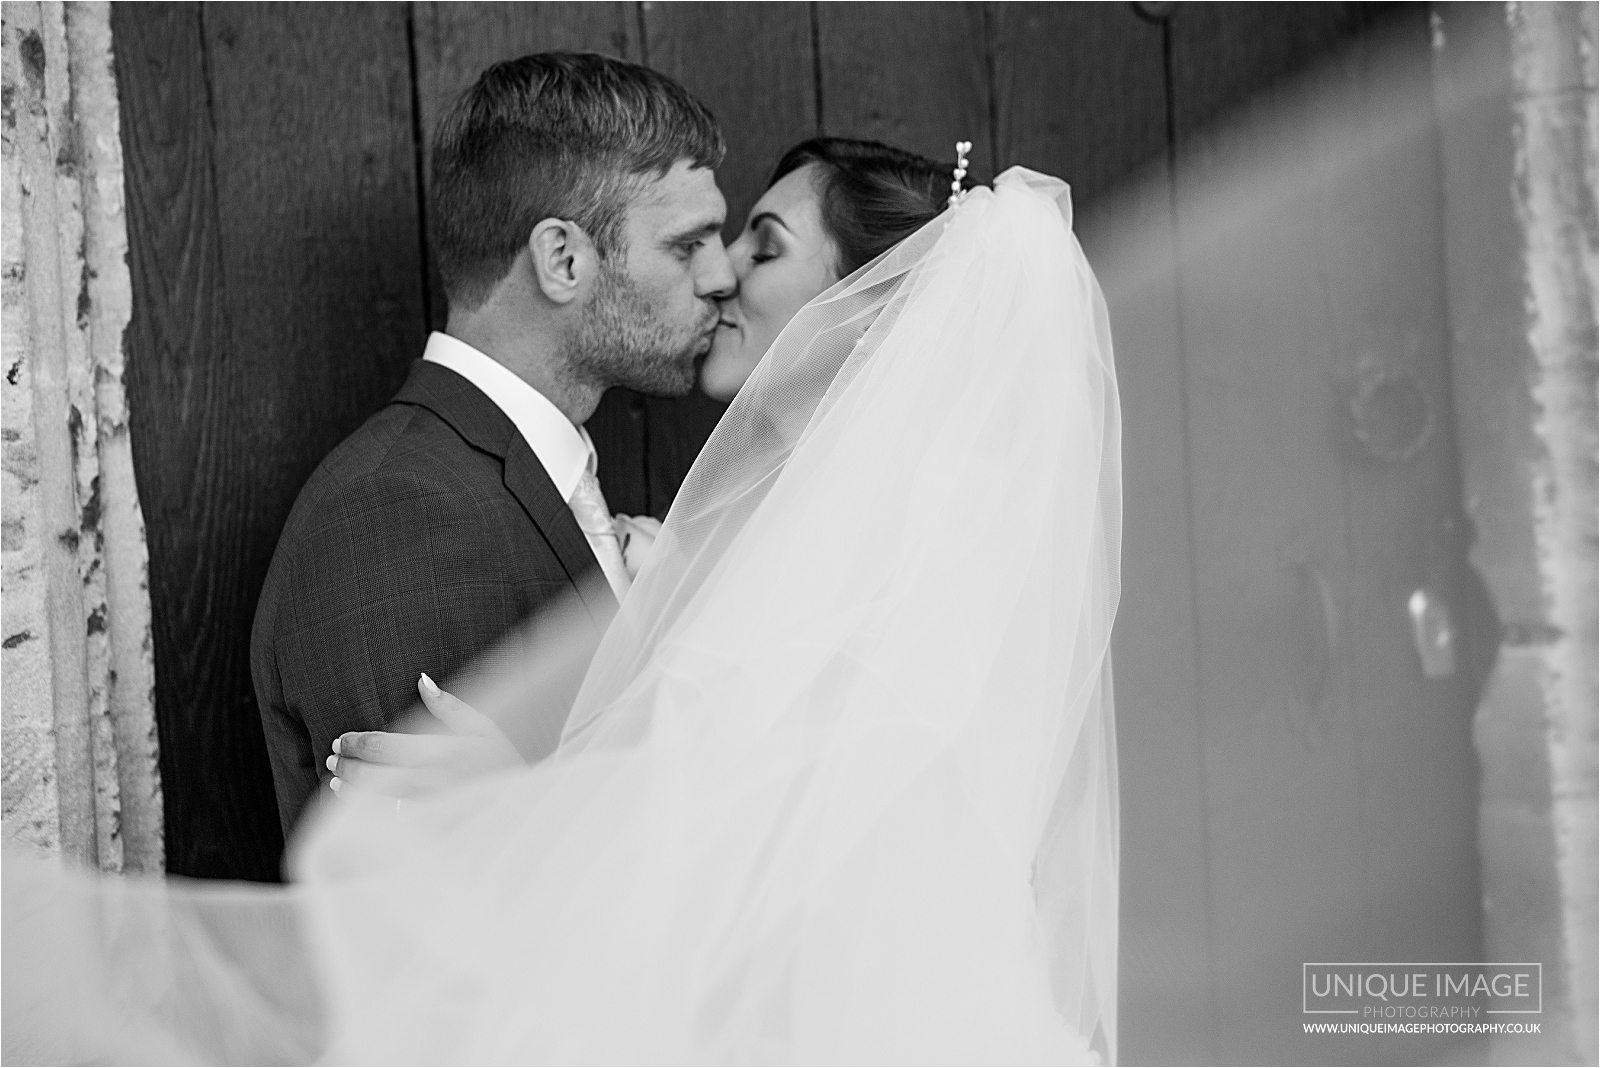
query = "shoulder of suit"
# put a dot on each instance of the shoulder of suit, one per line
(402, 451)
(405, 439)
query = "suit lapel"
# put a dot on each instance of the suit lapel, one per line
(482, 424)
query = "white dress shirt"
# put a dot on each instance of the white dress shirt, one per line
(565, 451)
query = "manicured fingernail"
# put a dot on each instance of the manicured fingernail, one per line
(334, 783)
(333, 763)
(429, 685)
(336, 742)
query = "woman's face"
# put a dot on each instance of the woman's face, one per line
(782, 260)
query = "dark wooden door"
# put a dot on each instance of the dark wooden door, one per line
(1340, 785)
(1294, 786)
(277, 281)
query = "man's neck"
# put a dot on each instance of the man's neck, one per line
(533, 356)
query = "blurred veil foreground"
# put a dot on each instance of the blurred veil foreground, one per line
(839, 783)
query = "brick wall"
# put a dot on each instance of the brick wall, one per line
(1516, 90)
(79, 739)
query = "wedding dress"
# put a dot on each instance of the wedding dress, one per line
(839, 784)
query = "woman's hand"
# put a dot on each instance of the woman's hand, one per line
(410, 765)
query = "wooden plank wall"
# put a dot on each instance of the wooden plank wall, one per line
(1333, 274)
(275, 165)
(278, 298)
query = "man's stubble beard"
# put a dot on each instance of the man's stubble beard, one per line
(621, 341)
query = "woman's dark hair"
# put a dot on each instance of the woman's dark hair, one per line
(553, 135)
(873, 196)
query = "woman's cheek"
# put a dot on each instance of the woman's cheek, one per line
(734, 355)
(763, 323)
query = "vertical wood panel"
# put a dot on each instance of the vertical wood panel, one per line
(1268, 495)
(453, 45)
(1268, 491)
(1081, 93)
(1381, 262)
(1341, 831)
(752, 64)
(455, 42)
(317, 204)
(218, 823)
(276, 276)
(910, 75)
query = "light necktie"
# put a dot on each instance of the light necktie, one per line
(589, 508)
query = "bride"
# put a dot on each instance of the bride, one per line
(839, 783)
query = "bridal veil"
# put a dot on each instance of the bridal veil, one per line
(839, 784)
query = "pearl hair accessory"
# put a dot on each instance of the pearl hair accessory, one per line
(956, 192)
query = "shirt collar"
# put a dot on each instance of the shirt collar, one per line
(565, 450)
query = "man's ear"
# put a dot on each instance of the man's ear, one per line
(563, 257)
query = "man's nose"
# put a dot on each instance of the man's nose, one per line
(717, 281)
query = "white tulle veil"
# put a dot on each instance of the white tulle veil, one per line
(839, 784)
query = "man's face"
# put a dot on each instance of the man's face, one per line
(653, 311)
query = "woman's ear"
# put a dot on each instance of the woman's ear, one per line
(563, 259)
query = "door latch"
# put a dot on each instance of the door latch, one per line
(1433, 631)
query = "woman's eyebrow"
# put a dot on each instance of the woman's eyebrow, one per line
(757, 220)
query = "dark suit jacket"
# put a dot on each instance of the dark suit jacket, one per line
(422, 539)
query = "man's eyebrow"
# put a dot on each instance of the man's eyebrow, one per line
(695, 230)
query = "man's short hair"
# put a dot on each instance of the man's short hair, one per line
(553, 135)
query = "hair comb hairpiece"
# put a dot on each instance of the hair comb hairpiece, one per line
(956, 192)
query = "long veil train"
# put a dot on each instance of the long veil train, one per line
(839, 784)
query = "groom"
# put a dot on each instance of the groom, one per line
(576, 223)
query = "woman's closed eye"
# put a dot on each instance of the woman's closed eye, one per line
(768, 244)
